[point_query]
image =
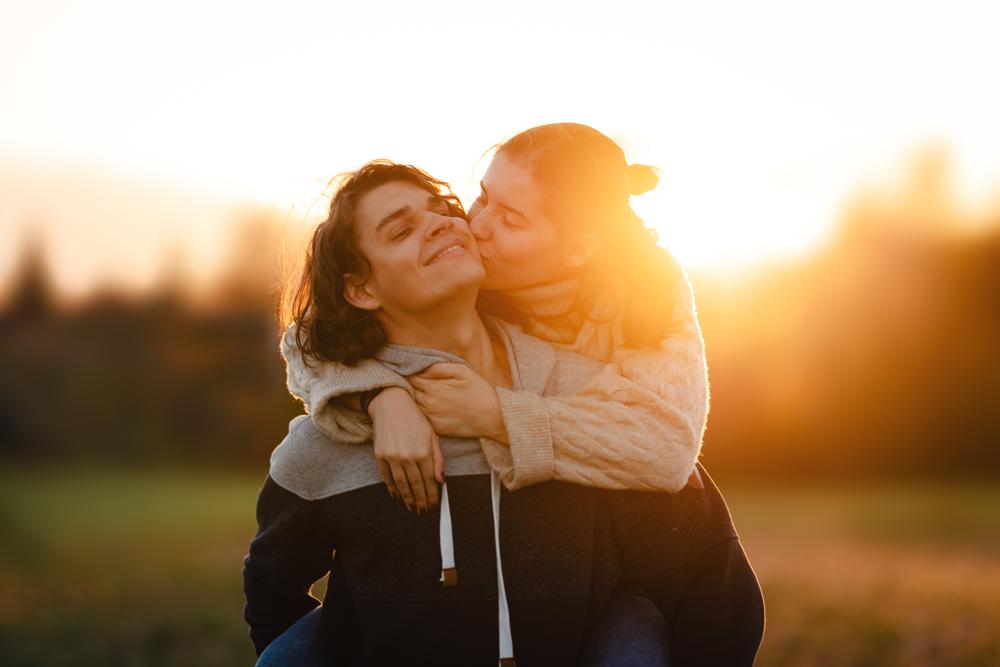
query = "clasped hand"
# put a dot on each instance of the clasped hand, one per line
(458, 402)
(450, 399)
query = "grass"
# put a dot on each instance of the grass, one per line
(876, 575)
(123, 568)
(101, 567)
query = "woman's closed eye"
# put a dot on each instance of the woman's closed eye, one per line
(508, 222)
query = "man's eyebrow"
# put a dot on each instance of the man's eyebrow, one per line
(395, 215)
(510, 209)
(404, 211)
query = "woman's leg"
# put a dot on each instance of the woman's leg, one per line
(631, 632)
(719, 619)
(683, 550)
(299, 646)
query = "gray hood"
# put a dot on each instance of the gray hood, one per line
(312, 465)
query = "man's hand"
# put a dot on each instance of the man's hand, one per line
(459, 403)
(407, 449)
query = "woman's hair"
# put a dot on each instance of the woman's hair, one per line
(328, 327)
(585, 184)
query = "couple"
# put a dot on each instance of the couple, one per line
(575, 379)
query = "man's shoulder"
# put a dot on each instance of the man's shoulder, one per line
(312, 465)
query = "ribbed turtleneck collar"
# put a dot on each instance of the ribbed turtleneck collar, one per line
(548, 300)
(548, 309)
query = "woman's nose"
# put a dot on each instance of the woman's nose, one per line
(479, 226)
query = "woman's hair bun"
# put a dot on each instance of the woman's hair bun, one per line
(642, 178)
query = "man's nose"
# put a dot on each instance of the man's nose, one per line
(439, 224)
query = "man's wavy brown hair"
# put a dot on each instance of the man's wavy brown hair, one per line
(328, 327)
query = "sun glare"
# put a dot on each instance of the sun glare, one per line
(763, 129)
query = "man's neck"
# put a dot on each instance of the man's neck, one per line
(455, 328)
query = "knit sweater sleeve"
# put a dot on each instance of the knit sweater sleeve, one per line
(323, 387)
(637, 424)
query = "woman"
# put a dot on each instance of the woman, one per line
(568, 259)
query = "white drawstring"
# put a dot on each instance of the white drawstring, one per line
(506, 640)
(449, 573)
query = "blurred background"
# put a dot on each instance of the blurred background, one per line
(831, 180)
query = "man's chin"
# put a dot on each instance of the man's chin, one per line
(461, 287)
(471, 274)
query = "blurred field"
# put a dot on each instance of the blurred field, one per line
(123, 567)
(892, 575)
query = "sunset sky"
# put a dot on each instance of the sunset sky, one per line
(131, 130)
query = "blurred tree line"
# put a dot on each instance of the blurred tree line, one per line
(877, 357)
(156, 378)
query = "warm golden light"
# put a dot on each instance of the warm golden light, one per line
(830, 180)
(765, 119)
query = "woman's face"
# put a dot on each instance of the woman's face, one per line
(518, 241)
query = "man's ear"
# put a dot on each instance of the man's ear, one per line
(580, 249)
(358, 292)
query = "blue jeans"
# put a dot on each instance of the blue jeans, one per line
(300, 645)
(630, 633)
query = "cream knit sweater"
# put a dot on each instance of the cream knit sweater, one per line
(637, 424)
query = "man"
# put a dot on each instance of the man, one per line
(394, 273)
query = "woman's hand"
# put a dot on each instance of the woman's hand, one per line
(459, 403)
(406, 448)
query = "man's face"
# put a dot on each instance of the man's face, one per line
(420, 255)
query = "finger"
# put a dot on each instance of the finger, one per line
(399, 475)
(417, 484)
(420, 398)
(438, 457)
(439, 371)
(390, 483)
(426, 467)
(424, 388)
(424, 401)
